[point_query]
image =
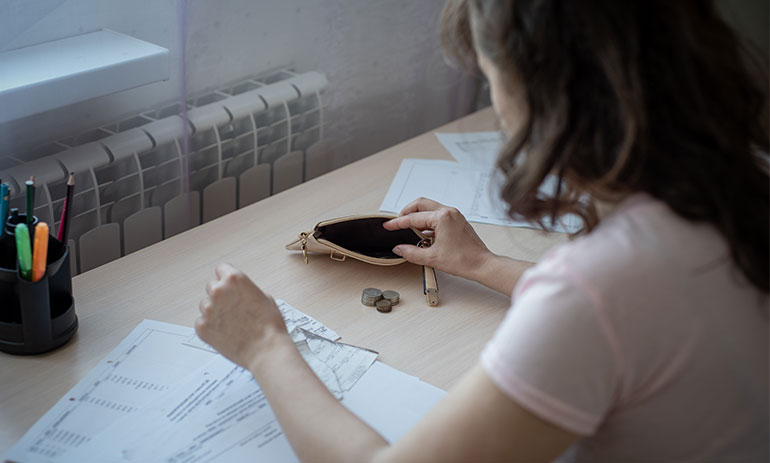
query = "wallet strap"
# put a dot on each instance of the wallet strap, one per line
(303, 245)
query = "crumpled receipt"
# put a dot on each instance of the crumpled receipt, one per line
(336, 364)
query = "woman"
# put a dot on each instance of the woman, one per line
(645, 339)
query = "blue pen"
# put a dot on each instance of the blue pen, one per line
(4, 197)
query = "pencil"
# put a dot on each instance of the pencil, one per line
(65, 211)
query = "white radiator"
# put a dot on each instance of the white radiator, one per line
(140, 180)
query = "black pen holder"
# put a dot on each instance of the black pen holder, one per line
(35, 317)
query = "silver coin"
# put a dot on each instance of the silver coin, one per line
(384, 306)
(372, 293)
(391, 296)
(369, 302)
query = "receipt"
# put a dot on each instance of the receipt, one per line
(293, 319)
(336, 364)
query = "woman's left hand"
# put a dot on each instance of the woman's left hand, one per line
(237, 318)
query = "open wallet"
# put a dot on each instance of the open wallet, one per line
(362, 237)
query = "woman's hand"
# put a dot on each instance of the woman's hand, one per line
(237, 318)
(456, 249)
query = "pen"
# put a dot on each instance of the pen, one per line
(65, 211)
(30, 200)
(40, 251)
(4, 198)
(24, 251)
(429, 282)
(430, 285)
(30, 205)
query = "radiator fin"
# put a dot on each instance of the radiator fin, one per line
(247, 141)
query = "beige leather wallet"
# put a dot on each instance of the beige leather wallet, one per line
(359, 237)
(362, 237)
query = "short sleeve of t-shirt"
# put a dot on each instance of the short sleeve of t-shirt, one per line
(552, 353)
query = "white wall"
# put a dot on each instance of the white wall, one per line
(387, 79)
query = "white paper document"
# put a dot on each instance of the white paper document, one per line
(210, 416)
(147, 363)
(478, 148)
(221, 415)
(471, 188)
(157, 398)
(471, 184)
(391, 401)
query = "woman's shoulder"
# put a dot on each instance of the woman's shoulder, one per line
(645, 265)
(640, 238)
(660, 294)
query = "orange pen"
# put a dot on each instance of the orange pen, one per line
(40, 251)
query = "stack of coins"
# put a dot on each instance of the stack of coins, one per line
(384, 306)
(383, 301)
(391, 296)
(370, 296)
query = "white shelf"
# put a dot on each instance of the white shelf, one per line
(54, 74)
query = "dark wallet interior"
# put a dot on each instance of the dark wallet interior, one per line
(367, 237)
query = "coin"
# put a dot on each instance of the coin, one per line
(391, 296)
(369, 302)
(384, 306)
(372, 293)
(370, 296)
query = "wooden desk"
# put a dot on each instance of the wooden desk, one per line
(166, 282)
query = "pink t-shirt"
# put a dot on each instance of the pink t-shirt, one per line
(644, 338)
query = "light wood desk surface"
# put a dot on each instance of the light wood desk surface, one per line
(166, 282)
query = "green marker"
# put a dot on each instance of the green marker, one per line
(24, 250)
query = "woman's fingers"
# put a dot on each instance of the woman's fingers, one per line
(421, 205)
(223, 270)
(210, 286)
(204, 306)
(413, 254)
(455, 244)
(418, 220)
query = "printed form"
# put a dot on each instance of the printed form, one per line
(163, 395)
(468, 187)
(220, 414)
(471, 184)
(479, 148)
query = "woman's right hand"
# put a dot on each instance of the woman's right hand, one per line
(456, 249)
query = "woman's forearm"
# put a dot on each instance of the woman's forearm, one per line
(306, 409)
(499, 273)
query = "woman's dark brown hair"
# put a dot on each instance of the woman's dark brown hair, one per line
(654, 96)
